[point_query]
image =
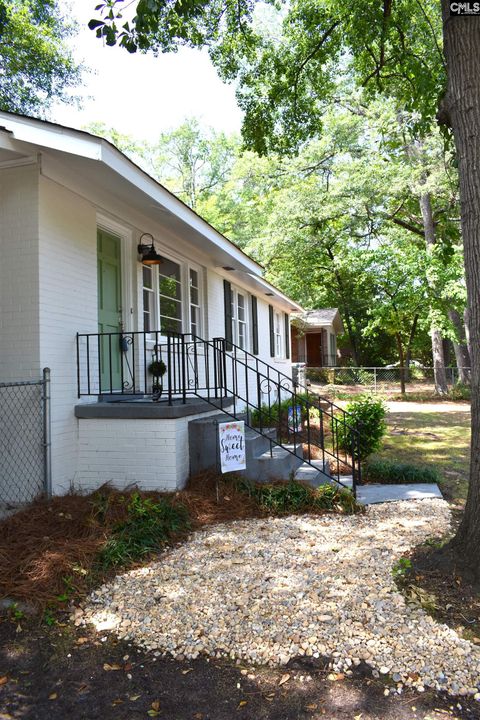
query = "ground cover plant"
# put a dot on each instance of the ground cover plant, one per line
(56, 551)
(390, 472)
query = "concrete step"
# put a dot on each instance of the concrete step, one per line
(314, 476)
(203, 442)
(277, 464)
(256, 444)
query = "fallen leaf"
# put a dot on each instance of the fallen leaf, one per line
(285, 678)
(118, 701)
(82, 688)
(156, 705)
(52, 696)
(82, 640)
(270, 697)
(153, 713)
(134, 697)
(185, 672)
(127, 667)
(3, 679)
(357, 717)
(241, 704)
(107, 667)
(312, 706)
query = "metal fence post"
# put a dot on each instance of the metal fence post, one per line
(375, 380)
(47, 443)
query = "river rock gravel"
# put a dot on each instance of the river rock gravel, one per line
(266, 591)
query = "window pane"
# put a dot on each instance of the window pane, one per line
(241, 335)
(146, 322)
(170, 269)
(193, 278)
(147, 277)
(170, 325)
(194, 296)
(170, 287)
(170, 308)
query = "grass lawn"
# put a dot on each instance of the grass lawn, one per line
(433, 435)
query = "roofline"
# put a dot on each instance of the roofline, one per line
(124, 159)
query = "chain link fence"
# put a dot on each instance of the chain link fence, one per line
(24, 441)
(379, 380)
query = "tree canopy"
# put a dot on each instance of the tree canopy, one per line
(36, 65)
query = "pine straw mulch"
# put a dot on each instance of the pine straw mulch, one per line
(49, 549)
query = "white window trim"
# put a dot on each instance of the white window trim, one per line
(236, 291)
(279, 336)
(201, 295)
(185, 267)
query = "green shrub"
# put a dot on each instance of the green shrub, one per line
(386, 471)
(277, 414)
(353, 376)
(368, 414)
(295, 497)
(460, 392)
(322, 376)
(148, 526)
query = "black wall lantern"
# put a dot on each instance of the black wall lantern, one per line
(148, 252)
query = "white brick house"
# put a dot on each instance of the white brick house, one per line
(72, 212)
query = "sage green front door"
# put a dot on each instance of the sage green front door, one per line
(109, 309)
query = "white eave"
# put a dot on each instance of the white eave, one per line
(40, 134)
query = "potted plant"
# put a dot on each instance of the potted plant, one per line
(157, 368)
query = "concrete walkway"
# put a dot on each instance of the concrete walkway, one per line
(378, 493)
(371, 494)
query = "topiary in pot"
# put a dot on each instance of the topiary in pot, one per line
(157, 368)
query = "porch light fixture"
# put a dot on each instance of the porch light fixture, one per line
(148, 252)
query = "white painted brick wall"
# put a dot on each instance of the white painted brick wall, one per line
(67, 304)
(19, 311)
(153, 454)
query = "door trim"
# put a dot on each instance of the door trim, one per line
(125, 235)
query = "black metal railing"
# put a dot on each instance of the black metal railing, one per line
(123, 365)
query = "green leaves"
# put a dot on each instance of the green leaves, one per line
(37, 66)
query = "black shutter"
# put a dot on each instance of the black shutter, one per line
(287, 336)
(254, 325)
(227, 298)
(272, 335)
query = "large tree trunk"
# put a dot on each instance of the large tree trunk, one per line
(441, 387)
(401, 357)
(462, 356)
(461, 108)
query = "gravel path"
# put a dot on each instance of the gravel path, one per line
(265, 591)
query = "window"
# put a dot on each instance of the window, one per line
(333, 349)
(148, 298)
(172, 298)
(278, 335)
(239, 319)
(195, 315)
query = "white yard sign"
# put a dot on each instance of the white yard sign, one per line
(231, 438)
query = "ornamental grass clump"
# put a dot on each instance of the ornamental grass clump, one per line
(367, 414)
(389, 472)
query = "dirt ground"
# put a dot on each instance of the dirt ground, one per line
(59, 672)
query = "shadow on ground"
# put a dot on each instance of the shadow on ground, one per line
(57, 672)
